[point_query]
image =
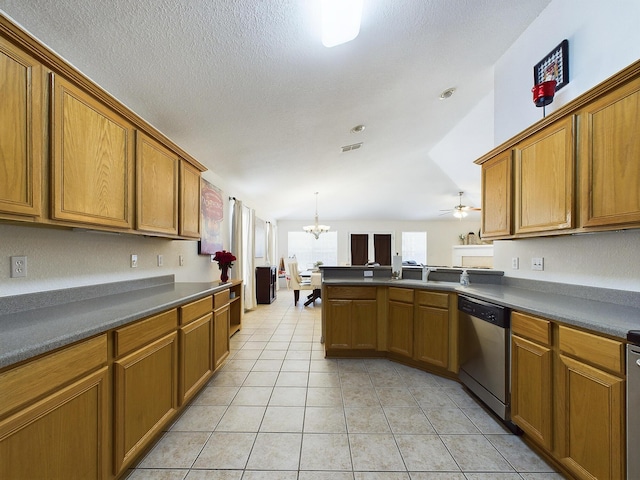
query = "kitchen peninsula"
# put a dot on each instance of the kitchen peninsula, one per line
(567, 348)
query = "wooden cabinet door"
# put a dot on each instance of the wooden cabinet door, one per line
(63, 436)
(221, 318)
(431, 333)
(610, 159)
(189, 201)
(156, 187)
(92, 160)
(497, 196)
(146, 397)
(400, 328)
(544, 178)
(590, 421)
(364, 329)
(531, 390)
(22, 134)
(339, 324)
(196, 356)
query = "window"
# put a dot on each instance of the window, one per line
(308, 250)
(414, 247)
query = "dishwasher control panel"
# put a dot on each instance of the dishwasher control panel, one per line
(489, 312)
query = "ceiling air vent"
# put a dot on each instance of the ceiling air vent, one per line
(354, 146)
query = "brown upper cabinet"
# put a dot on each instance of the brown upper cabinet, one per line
(189, 201)
(92, 160)
(70, 155)
(577, 170)
(22, 133)
(157, 186)
(544, 176)
(497, 191)
(610, 148)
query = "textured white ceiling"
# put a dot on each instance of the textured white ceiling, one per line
(248, 89)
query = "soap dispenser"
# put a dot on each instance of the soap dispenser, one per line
(464, 278)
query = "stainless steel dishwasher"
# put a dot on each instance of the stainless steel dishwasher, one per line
(484, 354)
(633, 404)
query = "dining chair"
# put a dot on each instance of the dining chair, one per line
(297, 283)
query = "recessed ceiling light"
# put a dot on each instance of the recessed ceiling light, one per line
(447, 93)
(358, 129)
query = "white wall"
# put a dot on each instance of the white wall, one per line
(441, 235)
(603, 39)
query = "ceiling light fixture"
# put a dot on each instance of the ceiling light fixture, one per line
(316, 229)
(448, 93)
(340, 21)
(358, 129)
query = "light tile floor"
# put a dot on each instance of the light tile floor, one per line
(278, 410)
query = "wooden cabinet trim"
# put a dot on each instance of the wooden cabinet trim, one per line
(221, 299)
(533, 328)
(137, 334)
(351, 293)
(189, 201)
(432, 299)
(595, 349)
(401, 294)
(194, 310)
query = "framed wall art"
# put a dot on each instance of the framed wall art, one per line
(212, 213)
(554, 66)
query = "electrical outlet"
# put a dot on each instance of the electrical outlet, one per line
(537, 263)
(181, 260)
(134, 261)
(515, 263)
(18, 267)
(160, 260)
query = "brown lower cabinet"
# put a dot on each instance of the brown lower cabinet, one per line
(414, 326)
(567, 392)
(61, 397)
(89, 410)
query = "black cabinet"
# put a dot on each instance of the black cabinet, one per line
(266, 278)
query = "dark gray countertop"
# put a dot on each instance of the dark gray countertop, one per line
(39, 329)
(599, 316)
(28, 333)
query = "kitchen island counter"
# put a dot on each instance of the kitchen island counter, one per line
(609, 318)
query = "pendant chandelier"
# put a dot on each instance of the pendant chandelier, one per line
(316, 229)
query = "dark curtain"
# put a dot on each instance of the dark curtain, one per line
(359, 248)
(382, 248)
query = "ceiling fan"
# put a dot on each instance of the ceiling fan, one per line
(460, 211)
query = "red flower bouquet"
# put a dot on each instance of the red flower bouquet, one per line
(225, 262)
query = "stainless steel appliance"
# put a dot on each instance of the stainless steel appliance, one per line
(484, 353)
(633, 404)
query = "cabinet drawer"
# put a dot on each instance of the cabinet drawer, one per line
(220, 299)
(352, 293)
(401, 294)
(597, 350)
(134, 336)
(533, 328)
(194, 310)
(31, 380)
(433, 299)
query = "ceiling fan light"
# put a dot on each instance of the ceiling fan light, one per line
(459, 214)
(340, 21)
